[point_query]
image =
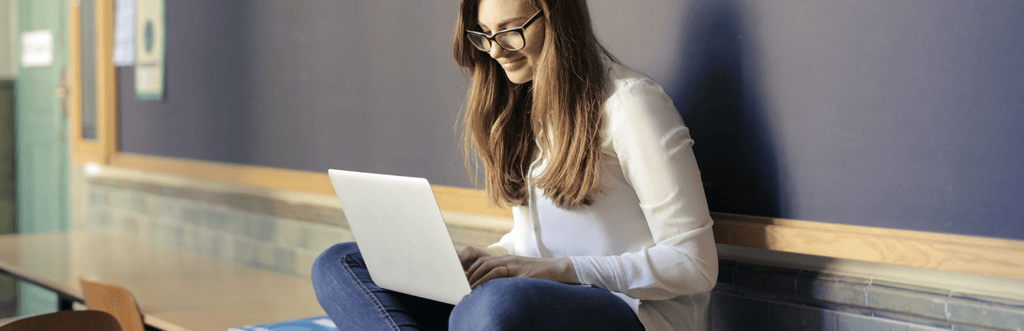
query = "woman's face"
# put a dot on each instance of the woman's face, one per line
(497, 15)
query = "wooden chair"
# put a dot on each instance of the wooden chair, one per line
(67, 320)
(116, 301)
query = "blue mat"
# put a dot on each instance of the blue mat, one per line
(322, 323)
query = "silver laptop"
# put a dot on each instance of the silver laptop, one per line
(401, 234)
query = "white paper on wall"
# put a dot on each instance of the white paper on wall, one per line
(124, 33)
(37, 48)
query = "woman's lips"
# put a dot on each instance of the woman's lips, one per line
(511, 64)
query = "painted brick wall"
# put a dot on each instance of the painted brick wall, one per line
(263, 232)
(287, 236)
(759, 297)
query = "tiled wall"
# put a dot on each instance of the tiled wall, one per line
(286, 235)
(758, 297)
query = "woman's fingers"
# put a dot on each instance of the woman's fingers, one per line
(483, 266)
(487, 268)
(500, 271)
(479, 268)
(477, 264)
(467, 255)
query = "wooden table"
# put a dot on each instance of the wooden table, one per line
(176, 290)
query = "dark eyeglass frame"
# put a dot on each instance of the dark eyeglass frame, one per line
(493, 40)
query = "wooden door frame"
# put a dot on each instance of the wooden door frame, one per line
(101, 149)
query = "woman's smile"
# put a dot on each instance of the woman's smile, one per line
(514, 64)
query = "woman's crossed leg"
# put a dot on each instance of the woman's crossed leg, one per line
(348, 295)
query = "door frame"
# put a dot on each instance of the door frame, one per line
(101, 149)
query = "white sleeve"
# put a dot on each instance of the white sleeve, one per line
(504, 246)
(656, 155)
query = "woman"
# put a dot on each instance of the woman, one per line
(599, 170)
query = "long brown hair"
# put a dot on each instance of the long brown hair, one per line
(502, 120)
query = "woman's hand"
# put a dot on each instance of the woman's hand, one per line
(469, 254)
(486, 268)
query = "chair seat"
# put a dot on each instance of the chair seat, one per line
(68, 320)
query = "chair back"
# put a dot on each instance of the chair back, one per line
(66, 320)
(115, 300)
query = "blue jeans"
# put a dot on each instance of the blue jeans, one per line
(348, 295)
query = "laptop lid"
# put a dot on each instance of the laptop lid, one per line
(401, 234)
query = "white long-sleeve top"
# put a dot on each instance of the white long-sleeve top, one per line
(647, 237)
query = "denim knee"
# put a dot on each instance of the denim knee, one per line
(500, 304)
(330, 259)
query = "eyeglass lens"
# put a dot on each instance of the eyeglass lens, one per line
(509, 40)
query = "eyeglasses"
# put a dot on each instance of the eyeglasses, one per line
(509, 39)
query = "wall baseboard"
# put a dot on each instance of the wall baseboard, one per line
(975, 255)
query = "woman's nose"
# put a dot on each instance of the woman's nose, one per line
(496, 51)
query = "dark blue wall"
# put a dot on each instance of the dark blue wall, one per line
(310, 85)
(898, 114)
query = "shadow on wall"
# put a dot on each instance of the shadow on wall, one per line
(717, 93)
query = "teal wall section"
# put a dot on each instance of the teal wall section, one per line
(42, 150)
(41, 145)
